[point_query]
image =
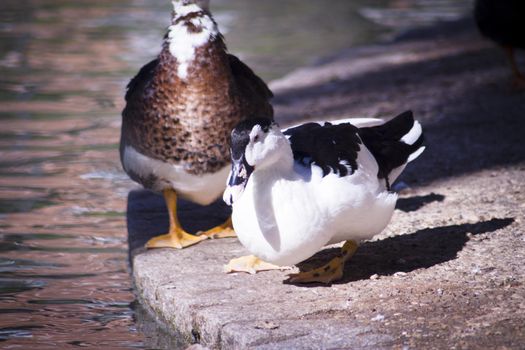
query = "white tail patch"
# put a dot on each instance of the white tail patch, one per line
(182, 42)
(413, 134)
(416, 154)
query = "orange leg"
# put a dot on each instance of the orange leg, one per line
(250, 264)
(176, 237)
(224, 230)
(330, 272)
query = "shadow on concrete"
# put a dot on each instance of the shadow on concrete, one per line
(421, 249)
(380, 81)
(147, 216)
(416, 202)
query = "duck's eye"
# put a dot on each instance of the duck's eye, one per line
(256, 138)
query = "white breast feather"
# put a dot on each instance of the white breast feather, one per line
(201, 189)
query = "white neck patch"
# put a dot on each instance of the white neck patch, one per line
(182, 42)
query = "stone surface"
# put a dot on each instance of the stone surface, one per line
(446, 273)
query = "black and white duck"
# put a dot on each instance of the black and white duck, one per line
(297, 190)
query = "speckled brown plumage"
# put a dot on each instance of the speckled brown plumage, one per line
(188, 121)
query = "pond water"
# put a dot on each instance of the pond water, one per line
(64, 275)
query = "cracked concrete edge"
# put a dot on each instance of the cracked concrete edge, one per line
(222, 318)
(150, 299)
(203, 319)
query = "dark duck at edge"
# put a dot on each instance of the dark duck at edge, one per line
(180, 110)
(503, 21)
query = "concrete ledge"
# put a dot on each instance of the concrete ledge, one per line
(430, 287)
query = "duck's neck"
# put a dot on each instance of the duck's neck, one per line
(193, 38)
(191, 70)
(280, 168)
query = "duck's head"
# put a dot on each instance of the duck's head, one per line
(203, 4)
(255, 144)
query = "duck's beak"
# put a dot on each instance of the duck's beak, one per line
(237, 180)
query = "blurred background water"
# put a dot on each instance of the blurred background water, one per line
(64, 279)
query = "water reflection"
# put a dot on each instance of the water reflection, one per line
(63, 68)
(63, 271)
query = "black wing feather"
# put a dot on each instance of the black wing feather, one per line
(328, 146)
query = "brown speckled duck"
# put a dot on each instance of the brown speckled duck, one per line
(503, 21)
(180, 110)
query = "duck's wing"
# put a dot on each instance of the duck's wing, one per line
(331, 147)
(394, 144)
(140, 80)
(335, 147)
(256, 93)
(136, 107)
